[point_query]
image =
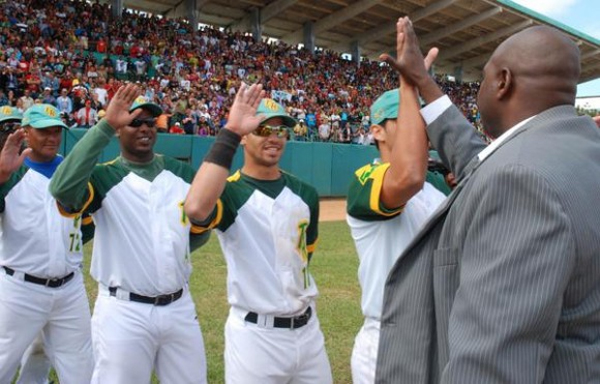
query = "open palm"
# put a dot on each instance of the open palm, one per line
(242, 116)
(10, 158)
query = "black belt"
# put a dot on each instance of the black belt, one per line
(284, 322)
(52, 283)
(160, 300)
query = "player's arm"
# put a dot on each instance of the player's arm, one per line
(409, 155)
(209, 182)
(70, 183)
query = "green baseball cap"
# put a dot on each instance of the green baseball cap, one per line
(142, 102)
(385, 107)
(269, 108)
(10, 114)
(42, 116)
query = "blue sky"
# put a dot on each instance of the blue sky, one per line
(579, 14)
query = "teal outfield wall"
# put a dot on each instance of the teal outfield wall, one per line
(327, 166)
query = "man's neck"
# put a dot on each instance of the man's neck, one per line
(262, 172)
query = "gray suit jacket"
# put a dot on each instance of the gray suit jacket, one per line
(502, 285)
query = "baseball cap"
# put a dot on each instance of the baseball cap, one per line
(42, 116)
(269, 108)
(47, 89)
(10, 114)
(142, 102)
(385, 107)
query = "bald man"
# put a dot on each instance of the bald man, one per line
(502, 284)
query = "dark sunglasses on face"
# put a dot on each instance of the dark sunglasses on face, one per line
(136, 123)
(266, 130)
(9, 127)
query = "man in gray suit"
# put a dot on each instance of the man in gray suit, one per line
(502, 285)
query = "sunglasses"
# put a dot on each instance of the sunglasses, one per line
(9, 127)
(266, 130)
(136, 123)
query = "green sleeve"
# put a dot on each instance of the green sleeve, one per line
(312, 233)
(69, 184)
(364, 194)
(198, 239)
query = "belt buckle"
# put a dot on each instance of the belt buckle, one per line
(50, 281)
(168, 299)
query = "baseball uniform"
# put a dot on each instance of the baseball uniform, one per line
(41, 286)
(380, 236)
(268, 231)
(141, 260)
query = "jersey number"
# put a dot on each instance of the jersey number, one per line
(75, 236)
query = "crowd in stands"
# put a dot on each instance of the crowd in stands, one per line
(75, 55)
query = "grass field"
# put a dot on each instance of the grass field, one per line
(334, 267)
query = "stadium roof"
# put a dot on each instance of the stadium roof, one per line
(466, 31)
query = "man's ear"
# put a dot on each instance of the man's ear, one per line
(378, 132)
(505, 84)
(243, 141)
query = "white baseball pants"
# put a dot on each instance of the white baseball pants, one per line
(131, 339)
(62, 315)
(261, 355)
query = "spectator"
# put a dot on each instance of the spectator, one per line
(87, 116)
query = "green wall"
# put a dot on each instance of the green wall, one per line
(327, 166)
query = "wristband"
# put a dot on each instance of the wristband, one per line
(224, 148)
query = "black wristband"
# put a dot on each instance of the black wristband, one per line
(223, 149)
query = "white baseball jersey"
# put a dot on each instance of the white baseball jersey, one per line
(381, 234)
(267, 231)
(35, 238)
(142, 234)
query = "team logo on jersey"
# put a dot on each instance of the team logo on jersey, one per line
(303, 251)
(183, 219)
(364, 173)
(270, 104)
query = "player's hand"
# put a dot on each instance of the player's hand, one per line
(242, 116)
(409, 60)
(10, 159)
(597, 120)
(117, 112)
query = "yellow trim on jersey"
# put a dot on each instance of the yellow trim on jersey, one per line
(377, 175)
(72, 215)
(311, 247)
(110, 161)
(235, 177)
(197, 229)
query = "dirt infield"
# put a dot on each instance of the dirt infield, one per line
(332, 210)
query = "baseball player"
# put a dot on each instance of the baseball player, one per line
(41, 286)
(388, 202)
(144, 318)
(35, 365)
(266, 221)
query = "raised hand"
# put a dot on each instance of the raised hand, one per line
(10, 159)
(117, 113)
(242, 115)
(409, 60)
